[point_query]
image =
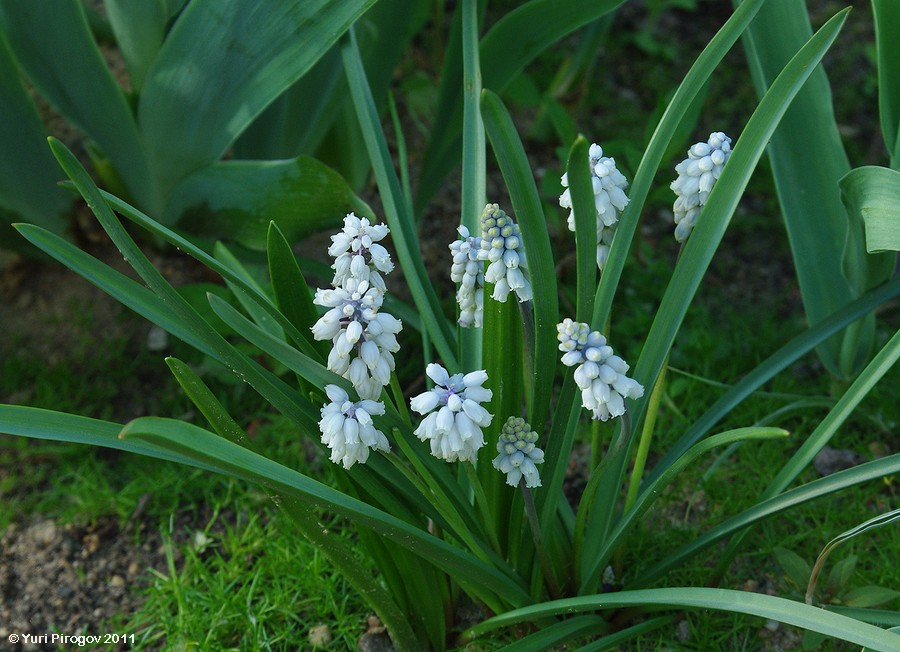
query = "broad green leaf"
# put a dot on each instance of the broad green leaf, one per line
(510, 44)
(222, 63)
(139, 28)
(236, 200)
(208, 450)
(27, 170)
(397, 213)
(753, 604)
(874, 616)
(873, 194)
(54, 46)
(793, 565)
(869, 596)
(887, 25)
(818, 231)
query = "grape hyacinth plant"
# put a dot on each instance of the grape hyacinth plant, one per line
(435, 518)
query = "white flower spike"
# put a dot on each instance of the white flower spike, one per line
(697, 175)
(518, 455)
(455, 416)
(347, 428)
(501, 246)
(468, 271)
(600, 373)
(609, 199)
(358, 254)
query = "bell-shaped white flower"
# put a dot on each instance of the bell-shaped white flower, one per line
(363, 339)
(468, 271)
(454, 414)
(518, 454)
(358, 254)
(697, 175)
(347, 428)
(610, 200)
(501, 247)
(599, 374)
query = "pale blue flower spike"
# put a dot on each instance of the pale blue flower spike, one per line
(599, 374)
(348, 430)
(358, 254)
(468, 271)
(501, 248)
(519, 456)
(364, 339)
(610, 200)
(453, 413)
(697, 174)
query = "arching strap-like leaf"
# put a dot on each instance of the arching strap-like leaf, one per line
(223, 62)
(872, 193)
(238, 200)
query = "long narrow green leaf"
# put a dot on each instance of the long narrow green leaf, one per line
(675, 112)
(397, 213)
(723, 200)
(114, 283)
(183, 244)
(223, 62)
(277, 392)
(338, 552)
(530, 216)
(817, 489)
(37, 423)
(292, 294)
(866, 380)
(579, 176)
(207, 449)
(474, 162)
(53, 43)
(591, 574)
(796, 348)
(754, 604)
(887, 25)
(513, 42)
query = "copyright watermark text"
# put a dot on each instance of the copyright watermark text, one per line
(79, 640)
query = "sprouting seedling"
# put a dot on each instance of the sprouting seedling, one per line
(871, 524)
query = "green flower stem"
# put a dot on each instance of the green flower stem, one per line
(535, 525)
(399, 399)
(646, 437)
(481, 503)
